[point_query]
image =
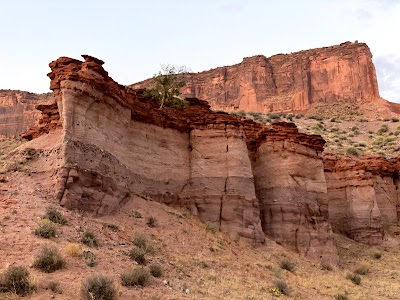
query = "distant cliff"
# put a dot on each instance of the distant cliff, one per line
(288, 82)
(17, 111)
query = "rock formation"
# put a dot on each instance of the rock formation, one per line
(249, 178)
(288, 82)
(17, 111)
(362, 195)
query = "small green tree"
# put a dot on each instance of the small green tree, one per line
(167, 86)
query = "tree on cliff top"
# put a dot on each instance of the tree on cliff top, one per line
(167, 86)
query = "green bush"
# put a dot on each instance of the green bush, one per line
(46, 229)
(98, 287)
(287, 265)
(49, 260)
(135, 277)
(156, 270)
(89, 239)
(282, 287)
(16, 280)
(55, 216)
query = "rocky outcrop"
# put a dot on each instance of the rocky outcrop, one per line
(292, 191)
(18, 112)
(117, 143)
(362, 195)
(288, 82)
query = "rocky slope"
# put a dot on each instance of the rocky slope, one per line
(250, 179)
(17, 111)
(288, 82)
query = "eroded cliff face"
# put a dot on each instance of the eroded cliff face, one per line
(288, 82)
(363, 195)
(116, 143)
(18, 112)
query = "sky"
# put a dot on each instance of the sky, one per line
(135, 38)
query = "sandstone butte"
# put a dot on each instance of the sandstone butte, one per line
(305, 81)
(253, 180)
(308, 81)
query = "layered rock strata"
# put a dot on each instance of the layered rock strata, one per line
(18, 112)
(288, 82)
(225, 169)
(362, 195)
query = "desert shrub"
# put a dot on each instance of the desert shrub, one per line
(135, 214)
(213, 227)
(354, 128)
(362, 120)
(333, 120)
(136, 277)
(362, 144)
(287, 265)
(395, 120)
(384, 128)
(318, 118)
(274, 116)
(356, 279)
(113, 227)
(55, 216)
(89, 239)
(362, 270)
(90, 258)
(156, 270)
(352, 151)
(334, 129)
(54, 286)
(141, 242)
(152, 222)
(282, 287)
(344, 296)
(137, 254)
(73, 249)
(299, 116)
(377, 255)
(49, 260)
(46, 229)
(326, 266)
(16, 280)
(98, 287)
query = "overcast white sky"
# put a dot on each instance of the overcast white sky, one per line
(135, 37)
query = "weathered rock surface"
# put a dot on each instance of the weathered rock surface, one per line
(288, 82)
(17, 111)
(116, 143)
(362, 195)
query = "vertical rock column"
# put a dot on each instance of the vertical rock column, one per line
(291, 186)
(353, 206)
(221, 186)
